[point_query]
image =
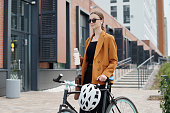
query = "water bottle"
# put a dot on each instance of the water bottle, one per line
(76, 56)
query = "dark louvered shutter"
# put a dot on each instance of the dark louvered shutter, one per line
(48, 31)
(146, 52)
(140, 55)
(134, 52)
(129, 49)
(119, 41)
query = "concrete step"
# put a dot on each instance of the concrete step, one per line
(125, 83)
(137, 73)
(125, 86)
(128, 80)
(132, 78)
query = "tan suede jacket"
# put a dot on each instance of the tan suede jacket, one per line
(105, 58)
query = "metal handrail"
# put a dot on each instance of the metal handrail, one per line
(124, 60)
(144, 71)
(122, 63)
(145, 62)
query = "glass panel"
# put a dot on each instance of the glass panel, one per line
(83, 40)
(59, 65)
(113, 1)
(15, 43)
(126, 13)
(114, 11)
(125, 0)
(17, 58)
(83, 33)
(20, 15)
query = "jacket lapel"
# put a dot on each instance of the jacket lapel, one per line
(99, 44)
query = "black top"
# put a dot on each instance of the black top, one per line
(91, 51)
(90, 56)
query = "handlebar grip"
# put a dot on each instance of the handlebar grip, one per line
(58, 79)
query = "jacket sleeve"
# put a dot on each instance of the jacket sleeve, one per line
(81, 59)
(112, 55)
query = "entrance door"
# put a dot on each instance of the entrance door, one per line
(20, 62)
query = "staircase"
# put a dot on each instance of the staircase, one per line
(130, 80)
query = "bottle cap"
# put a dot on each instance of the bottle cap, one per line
(75, 49)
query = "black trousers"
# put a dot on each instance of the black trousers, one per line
(99, 107)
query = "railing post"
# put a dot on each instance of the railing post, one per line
(138, 77)
(143, 76)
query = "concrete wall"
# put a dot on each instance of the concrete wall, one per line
(3, 74)
(45, 78)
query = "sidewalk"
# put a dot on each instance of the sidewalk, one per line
(48, 102)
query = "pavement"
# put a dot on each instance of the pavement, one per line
(48, 101)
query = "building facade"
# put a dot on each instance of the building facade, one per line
(161, 30)
(166, 37)
(139, 16)
(37, 39)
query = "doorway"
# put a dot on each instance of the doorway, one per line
(20, 59)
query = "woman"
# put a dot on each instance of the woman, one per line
(100, 58)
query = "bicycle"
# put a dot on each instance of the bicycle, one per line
(117, 105)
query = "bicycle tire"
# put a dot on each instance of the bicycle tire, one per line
(67, 111)
(124, 104)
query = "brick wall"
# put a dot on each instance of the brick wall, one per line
(1, 31)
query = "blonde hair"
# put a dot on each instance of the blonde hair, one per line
(101, 16)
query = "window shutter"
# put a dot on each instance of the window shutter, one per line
(48, 31)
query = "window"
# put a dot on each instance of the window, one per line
(84, 32)
(125, 0)
(114, 11)
(126, 13)
(113, 1)
(83, 29)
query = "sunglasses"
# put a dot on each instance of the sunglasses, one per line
(93, 20)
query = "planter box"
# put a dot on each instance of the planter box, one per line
(12, 88)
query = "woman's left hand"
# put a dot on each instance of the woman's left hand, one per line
(102, 78)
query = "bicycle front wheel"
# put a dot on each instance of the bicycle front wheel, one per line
(67, 111)
(124, 105)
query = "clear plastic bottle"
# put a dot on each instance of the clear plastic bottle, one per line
(76, 56)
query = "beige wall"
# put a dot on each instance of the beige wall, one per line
(1, 31)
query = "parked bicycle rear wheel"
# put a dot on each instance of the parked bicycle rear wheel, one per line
(124, 104)
(67, 111)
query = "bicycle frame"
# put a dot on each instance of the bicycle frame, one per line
(66, 104)
(104, 100)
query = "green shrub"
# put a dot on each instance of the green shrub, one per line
(165, 87)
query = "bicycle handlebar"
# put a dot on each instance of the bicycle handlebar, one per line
(72, 84)
(65, 82)
(58, 79)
